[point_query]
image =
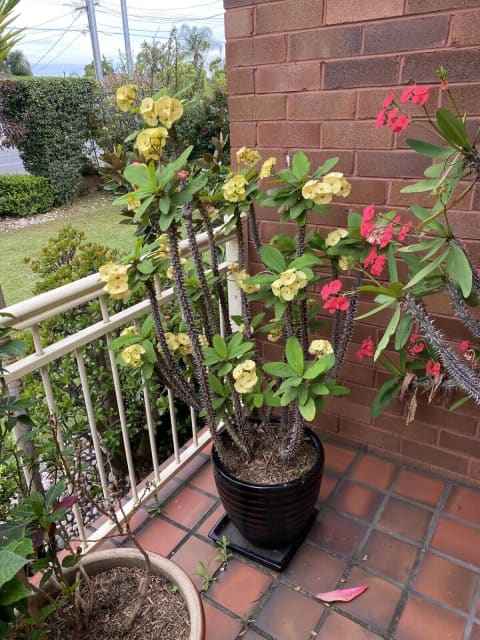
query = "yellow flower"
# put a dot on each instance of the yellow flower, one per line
(169, 110)
(150, 142)
(320, 348)
(335, 236)
(116, 277)
(203, 340)
(125, 96)
(234, 188)
(132, 203)
(334, 179)
(346, 262)
(172, 341)
(240, 277)
(288, 293)
(147, 111)
(169, 273)
(132, 355)
(129, 331)
(245, 376)
(163, 248)
(345, 189)
(319, 192)
(275, 334)
(287, 286)
(267, 166)
(288, 277)
(247, 156)
(184, 344)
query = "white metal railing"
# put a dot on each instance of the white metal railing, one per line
(30, 313)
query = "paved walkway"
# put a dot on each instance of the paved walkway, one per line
(413, 538)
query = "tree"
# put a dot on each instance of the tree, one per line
(7, 39)
(17, 64)
(107, 68)
(196, 43)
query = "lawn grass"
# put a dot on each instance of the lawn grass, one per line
(94, 215)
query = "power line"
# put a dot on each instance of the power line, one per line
(61, 52)
(65, 31)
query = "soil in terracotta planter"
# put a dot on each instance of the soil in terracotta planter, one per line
(164, 615)
(265, 467)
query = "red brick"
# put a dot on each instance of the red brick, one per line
(465, 446)
(367, 435)
(404, 35)
(241, 108)
(305, 134)
(321, 105)
(325, 43)
(345, 163)
(366, 191)
(467, 97)
(422, 67)
(382, 164)
(304, 76)
(424, 6)
(348, 11)
(397, 198)
(288, 15)
(231, 4)
(466, 224)
(357, 73)
(263, 107)
(355, 135)
(243, 133)
(434, 456)
(254, 51)
(238, 23)
(240, 81)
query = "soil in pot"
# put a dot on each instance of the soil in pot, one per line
(164, 615)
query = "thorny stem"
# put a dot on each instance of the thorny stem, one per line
(289, 328)
(246, 314)
(240, 422)
(296, 433)
(461, 309)
(175, 378)
(254, 228)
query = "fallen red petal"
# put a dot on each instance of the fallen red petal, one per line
(342, 595)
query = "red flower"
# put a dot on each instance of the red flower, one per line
(406, 94)
(400, 124)
(464, 345)
(418, 347)
(330, 288)
(367, 226)
(404, 230)
(336, 303)
(420, 95)
(342, 303)
(380, 121)
(391, 117)
(366, 349)
(432, 368)
(378, 265)
(370, 259)
(388, 100)
(386, 236)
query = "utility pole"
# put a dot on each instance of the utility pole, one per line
(92, 27)
(126, 37)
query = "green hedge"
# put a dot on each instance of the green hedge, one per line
(22, 195)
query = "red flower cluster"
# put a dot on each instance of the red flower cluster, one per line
(416, 345)
(432, 368)
(391, 116)
(375, 261)
(417, 94)
(366, 349)
(332, 302)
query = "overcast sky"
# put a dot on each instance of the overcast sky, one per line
(57, 41)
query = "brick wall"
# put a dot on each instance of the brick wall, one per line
(310, 75)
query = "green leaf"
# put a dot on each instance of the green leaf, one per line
(137, 174)
(300, 165)
(423, 273)
(429, 150)
(323, 364)
(325, 167)
(272, 258)
(216, 385)
(10, 565)
(452, 128)
(225, 369)
(308, 410)
(294, 354)
(385, 395)
(435, 243)
(420, 186)
(13, 591)
(458, 268)
(146, 267)
(279, 369)
(164, 205)
(71, 560)
(403, 332)
(458, 403)
(392, 263)
(424, 214)
(307, 260)
(381, 307)
(389, 331)
(297, 209)
(220, 346)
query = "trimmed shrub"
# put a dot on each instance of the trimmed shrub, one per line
(24, 195)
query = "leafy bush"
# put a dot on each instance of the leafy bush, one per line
(50, 121)
(24, 195)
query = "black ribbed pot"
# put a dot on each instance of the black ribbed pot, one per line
(271, 515)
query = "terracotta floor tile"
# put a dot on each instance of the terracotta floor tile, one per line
(338, 458)
(189, 555)
(193, 466)
(464, 503)
(188, 507)
(219, 625)
(337, 627)
(314, 570)
(421, 620)
(358, 500)
(389, 556)
(475, 632)
(446, 581)
(160, 536)
(419, 487)
(336, 533)
(405, 518)
(457, 540)
(377, 604)
(251, 635)
(375, 471)
(329, 483)
(239, 587)
(211, 521)
(204, 480)
(289, 615)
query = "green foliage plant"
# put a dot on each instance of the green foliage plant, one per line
(9, 36)
(24, 195)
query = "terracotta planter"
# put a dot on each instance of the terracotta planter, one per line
(100, 561)
(271, 515)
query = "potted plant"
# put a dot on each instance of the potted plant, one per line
(256, 411)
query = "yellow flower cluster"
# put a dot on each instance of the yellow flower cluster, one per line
(240, 277)
(132, 203)
(267, 166)
(168, 110)
(170, 272)
(287, 286)
(181, 342)
(335, 236)
(116, 277)
(132, 355)
(150, 142)
(129, 331)
(319, 348)
(275, 334)
(163, 250)
(125, 96)
(245, 376)
(234, 188)
(322, 192)
(247, 156)
(346, 262)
